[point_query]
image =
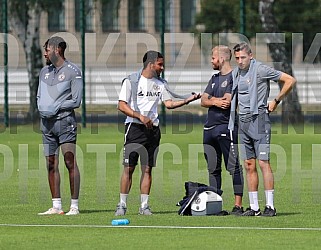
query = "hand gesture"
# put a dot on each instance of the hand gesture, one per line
(193, 97)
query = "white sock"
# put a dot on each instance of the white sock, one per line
(254, 201)
(74, 203)
(56, 203)
(123, 199)
(144, 200)
(269, 198)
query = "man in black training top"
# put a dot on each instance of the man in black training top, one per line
(217, 139)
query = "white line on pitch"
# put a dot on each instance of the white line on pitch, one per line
(168, 227)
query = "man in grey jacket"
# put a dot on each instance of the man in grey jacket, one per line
(251, 87)
(59, 93)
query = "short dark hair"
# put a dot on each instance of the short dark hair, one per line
(242, 46)
(58, 42)
(46, 44)
(151, 56)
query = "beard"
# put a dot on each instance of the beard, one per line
(156, 73)
(48, 62)
(216, 67)
(53, 59)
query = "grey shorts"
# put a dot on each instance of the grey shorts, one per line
(255, 137)
(58, 131)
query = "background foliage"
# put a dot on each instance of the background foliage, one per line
(292, 17)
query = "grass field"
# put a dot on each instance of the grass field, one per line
(295, 159)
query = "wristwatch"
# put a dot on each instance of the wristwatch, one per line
(209, 96)
(277, 101)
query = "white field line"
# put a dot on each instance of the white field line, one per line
(167, 227)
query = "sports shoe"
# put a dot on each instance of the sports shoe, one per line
(145, 210)
(120, 210)
(51, 211)
(251, 212)
(237, 210)
(73, 211)
(269, 212)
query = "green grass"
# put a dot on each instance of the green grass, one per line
(25, 192)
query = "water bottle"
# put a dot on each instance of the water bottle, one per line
(120, 222)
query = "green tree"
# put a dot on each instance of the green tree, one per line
(24, 18)
(218, 16)
(291, 108)
(297, 16)
(291, 16)
(224, 16)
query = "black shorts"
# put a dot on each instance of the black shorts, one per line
(141, 142)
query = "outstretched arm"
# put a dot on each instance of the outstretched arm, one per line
(170, 104)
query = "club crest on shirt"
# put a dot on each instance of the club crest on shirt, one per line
(61, 77)
(156, 87)
(224, 84)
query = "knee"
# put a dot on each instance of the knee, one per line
(69, 160)
(249, 165)
(51, 168)
(129, 170)
(213, 169)
(51, 164)
(147, 170)
(264, 164)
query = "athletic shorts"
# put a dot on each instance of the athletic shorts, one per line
(255, 137)
(58, 131)
(141, 142)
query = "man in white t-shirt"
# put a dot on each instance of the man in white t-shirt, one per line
(138, 99)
